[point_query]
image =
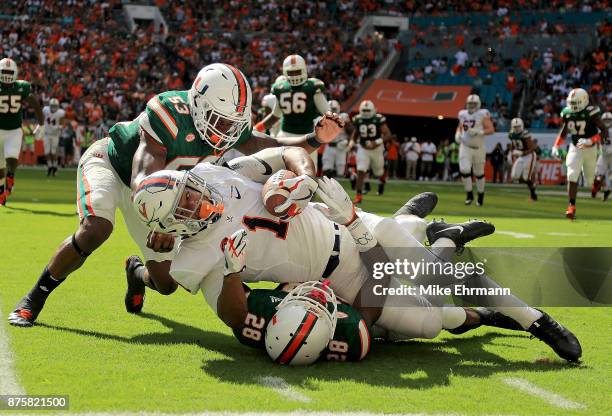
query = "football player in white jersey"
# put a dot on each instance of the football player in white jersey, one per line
(603, 178)
(334, 155)
(323, 241)
(474, 124)
(54, 121)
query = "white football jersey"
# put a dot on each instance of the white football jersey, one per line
(53, 125)
(474, 120)
(279, 251)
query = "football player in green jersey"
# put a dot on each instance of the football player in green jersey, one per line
(300, 100)
(582, 121)
(13, 93)
(177, 130)
(370, 132)
(523, 147)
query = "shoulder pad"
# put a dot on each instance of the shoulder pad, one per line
(381, 118)
(565, 111)
(160, 118)
(316, 82)
(592, 110)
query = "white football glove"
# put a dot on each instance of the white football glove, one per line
(234, 251)
(301, 190)
(582, 143)
(555, 152)
(340, 208)
(39, 131)
(475, 132)
(458, 136)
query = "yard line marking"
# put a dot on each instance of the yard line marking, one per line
(568, 234)
(552, 398)
(279, 385)
(228, 413)
(515, 235)
(9, 384)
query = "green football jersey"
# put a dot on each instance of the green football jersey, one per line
(11, 99)
(166, 121)
(351, 340)
(580, 125)
(519, 140)
(369, 129)
(297, 104)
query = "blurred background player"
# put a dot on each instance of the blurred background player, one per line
(372, 131)
(54, 119)
(523, 168)
(603, 179)
(27, 149)
(300, 101)
(12, 94)
(334, 155)
(268, 102)
(474, 124)
(582, 122)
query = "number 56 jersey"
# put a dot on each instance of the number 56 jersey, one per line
(351, 341)
(279, 251)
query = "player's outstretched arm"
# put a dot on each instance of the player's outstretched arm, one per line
(149, 158)
(559, 141)
(232, 305)
(263, 164)
(603, 129)
(34, 103)
(488, 127)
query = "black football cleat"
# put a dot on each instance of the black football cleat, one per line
(420, 205)
(489, 318)
(606, 195)
(135, 293)
(559, 338)
(480, 200)
(25, 313)
(460, 234)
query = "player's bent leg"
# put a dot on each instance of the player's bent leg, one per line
(478, 164)
(158, 276)
(70, 255)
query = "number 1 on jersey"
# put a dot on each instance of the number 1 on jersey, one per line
(279, 228)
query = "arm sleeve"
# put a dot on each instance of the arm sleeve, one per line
(259, 166)
(321, 102)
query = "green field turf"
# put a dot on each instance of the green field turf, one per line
(177, 357)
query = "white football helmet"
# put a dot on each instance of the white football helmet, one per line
(607, 119)
(177, 202)
(517, 125)
(220, 101)
(8, 71)
(294, 69)
(367, 109)
(577, 100)
(303, 324)
(473, 103)
(334, 106)
(54, 105)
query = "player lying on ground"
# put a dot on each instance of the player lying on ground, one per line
(320, 242)
(177, 130)
(583, 123)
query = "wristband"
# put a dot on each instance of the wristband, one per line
(260, 127)
(361, 235)
(311, 139)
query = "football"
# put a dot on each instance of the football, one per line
(273, 194)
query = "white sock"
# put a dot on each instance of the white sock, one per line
(525, 315)
(467, 183)
(453, 316)
(480, 184)
(415, 226)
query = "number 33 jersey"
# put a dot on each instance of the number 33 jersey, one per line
(280, 251)
(351, 340)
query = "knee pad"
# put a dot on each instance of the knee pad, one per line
(78, 249)
(480, 176)
(465, 175)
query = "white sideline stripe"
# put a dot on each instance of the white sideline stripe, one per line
(515, 235)
(8, 379)
(568, 234)
(552, 398)
(279, 385)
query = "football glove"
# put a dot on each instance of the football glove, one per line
(39, 131)
(475, 132)
(234, 251)
(301, 190)
(582, 143)
(555, 152)
(340, 208)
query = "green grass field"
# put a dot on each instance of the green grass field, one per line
(177, 357)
